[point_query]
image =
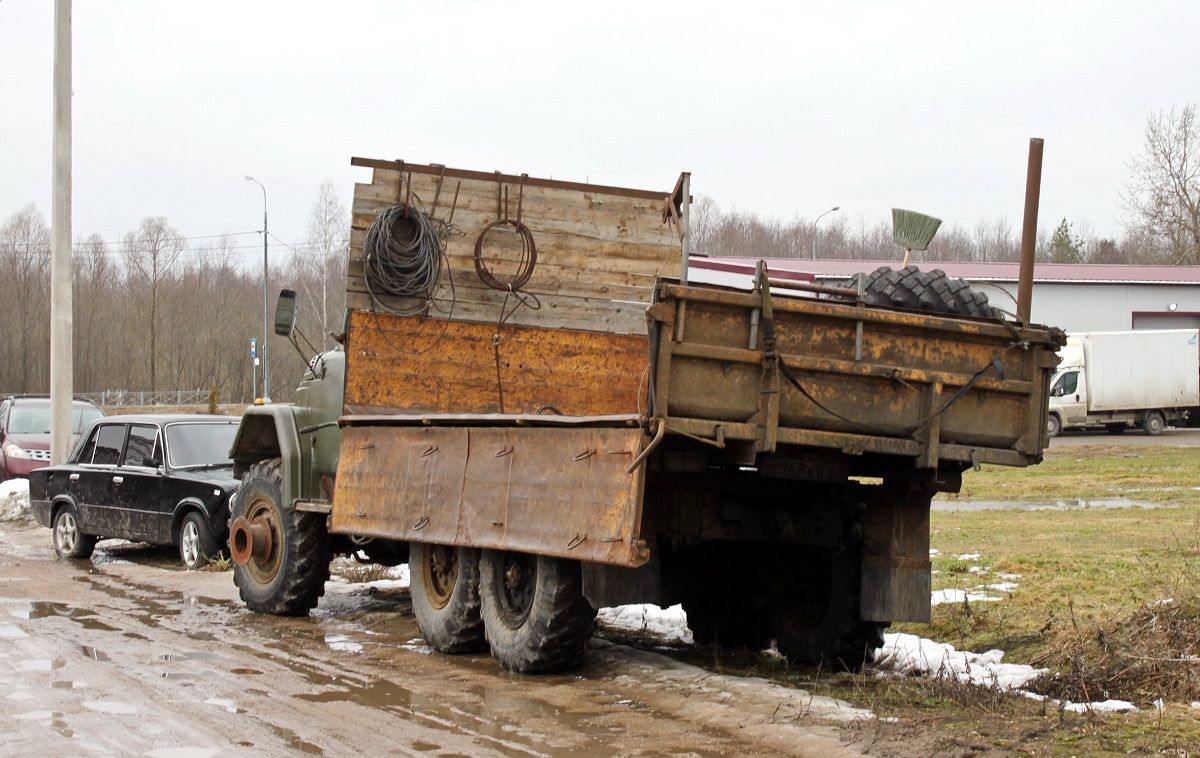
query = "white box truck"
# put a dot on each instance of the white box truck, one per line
(1116, 380)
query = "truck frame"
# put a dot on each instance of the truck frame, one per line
(545, 429)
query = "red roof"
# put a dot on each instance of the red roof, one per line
(1067, 273)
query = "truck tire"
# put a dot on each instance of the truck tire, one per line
(923, 290)
(291, 576)
(1154, 423)
(197, 546)
(535, 616)
(815, 620)
(713, 622)
(1053, 425)
(444, 581)
(69, 542)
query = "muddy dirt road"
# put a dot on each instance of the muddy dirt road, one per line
(126, 654)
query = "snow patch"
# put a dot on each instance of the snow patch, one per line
(910, 654)
(14, 499)
(942, 597)
(668, 623)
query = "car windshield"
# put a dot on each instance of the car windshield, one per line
(35, 419)
(200, 444)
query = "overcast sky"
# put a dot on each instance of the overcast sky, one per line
(784, 109)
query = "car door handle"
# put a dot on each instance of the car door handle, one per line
(74, 477)
(118, 479)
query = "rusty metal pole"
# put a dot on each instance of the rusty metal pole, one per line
(1033, 194)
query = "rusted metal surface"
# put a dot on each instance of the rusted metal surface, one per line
(1033, 194)
(931, 386)
(421, 365)
(560, 491)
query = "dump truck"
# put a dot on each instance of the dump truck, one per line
(534, 408)
(1117, 380)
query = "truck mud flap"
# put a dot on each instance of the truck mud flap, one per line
(562, 492)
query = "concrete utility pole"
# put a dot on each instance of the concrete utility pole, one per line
(266, 382)
(61, 361)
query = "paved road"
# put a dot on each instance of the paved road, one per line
(126, 654)
(1184, 437)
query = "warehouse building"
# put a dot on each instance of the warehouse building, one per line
(1073, 297)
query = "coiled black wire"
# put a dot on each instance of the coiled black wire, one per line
(402, 257)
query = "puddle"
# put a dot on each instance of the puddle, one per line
(1060, 505)
(41, 664)
(110, 706)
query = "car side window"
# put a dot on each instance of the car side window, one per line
(110, 438)
(142, 444)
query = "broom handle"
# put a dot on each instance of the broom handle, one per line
(907, 253)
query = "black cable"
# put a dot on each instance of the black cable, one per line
(402, 257)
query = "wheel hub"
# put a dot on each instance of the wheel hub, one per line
(250, 540)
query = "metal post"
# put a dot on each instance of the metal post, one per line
(61, 361)
(685, 217)
(1033, 194)
(814, 239)
(266, 372)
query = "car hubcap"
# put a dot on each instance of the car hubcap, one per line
(191, 544)
(66, 533)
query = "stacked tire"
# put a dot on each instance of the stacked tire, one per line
(915, 289)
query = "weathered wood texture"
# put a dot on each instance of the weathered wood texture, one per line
(599, 249)
(428, 365)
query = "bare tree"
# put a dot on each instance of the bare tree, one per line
(152, 252)
(325, 258)
(25, 272)
(1163, 193)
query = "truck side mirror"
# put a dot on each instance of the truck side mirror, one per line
(285, 313)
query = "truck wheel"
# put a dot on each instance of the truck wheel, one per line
(1053, 425)
(923, 290)
(281, 557)
(534, 613)
(197, 546)
(1154, 423)
(816, 620)
(69, 542)
(1115, 428)
(445, 597)
(713, 623)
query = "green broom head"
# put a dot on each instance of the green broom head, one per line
(912, 230)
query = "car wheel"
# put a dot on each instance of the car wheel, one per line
(1053, 425)
(69, 542)
(1154, 423)
(196, 543)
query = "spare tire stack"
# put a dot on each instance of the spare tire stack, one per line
(912, 288)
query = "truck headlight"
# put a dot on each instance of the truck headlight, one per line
(13, 450)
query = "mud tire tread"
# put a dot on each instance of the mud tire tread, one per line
(458, 626)
(553, 638)
(300, 581)
(923, 290)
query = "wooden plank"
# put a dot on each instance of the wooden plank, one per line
(399, 166)
(597, 252)
(411, 364)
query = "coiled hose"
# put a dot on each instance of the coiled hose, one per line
(402, 257)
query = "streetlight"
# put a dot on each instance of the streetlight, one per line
(266, 382)
(814, 239)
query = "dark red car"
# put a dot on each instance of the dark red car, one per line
(25, 432)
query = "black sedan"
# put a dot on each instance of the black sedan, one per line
(162, 479)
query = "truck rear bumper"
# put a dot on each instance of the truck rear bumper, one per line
(560, 488)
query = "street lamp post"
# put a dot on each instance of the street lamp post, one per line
(814, 239)
(266, 381)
